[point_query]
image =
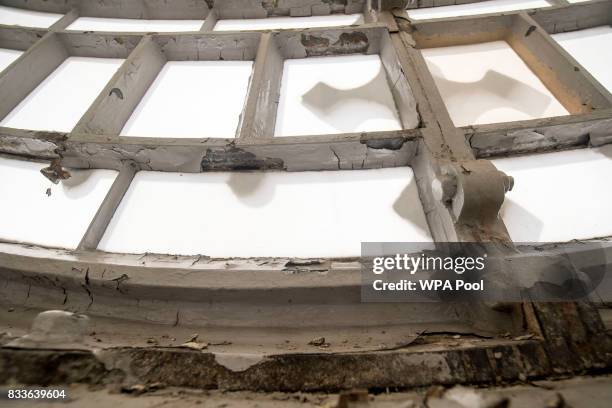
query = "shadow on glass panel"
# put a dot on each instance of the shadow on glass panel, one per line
(328, 102)
(79, 184)
(408, 209)
(522, 224)
(251, 189)
(492, 91)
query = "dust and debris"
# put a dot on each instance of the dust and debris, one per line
(435, 391)
(472, 398)
(557, 401)
(138, 389)
(463, 397)
(525, 337)
(221, 343)
(194, 345)
(55, 329)
(319, 342)
(353, 398)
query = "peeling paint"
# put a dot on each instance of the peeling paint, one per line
(234, 158)
(238, 362)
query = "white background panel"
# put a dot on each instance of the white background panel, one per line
(305, 214)
(128, 24)
(273, 23)
(64, 96)
(192, 99)
(559, 196)
(483, 7)
(7, 56)
(339, 94)
(489, 83)
(28, 214)
(592, 48)
(27, 18)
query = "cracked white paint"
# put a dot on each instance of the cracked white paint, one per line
(592, 49)
(273, 23)
(238, 362)
(338, 94)
(63, 97)
(137, 25)
(27, 18)
(29, 214)
(495, 81)
(192, 99)
(303, 214)
(470, 9)
(7, 56)
(559, 196)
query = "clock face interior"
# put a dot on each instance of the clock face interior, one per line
(220, 168)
